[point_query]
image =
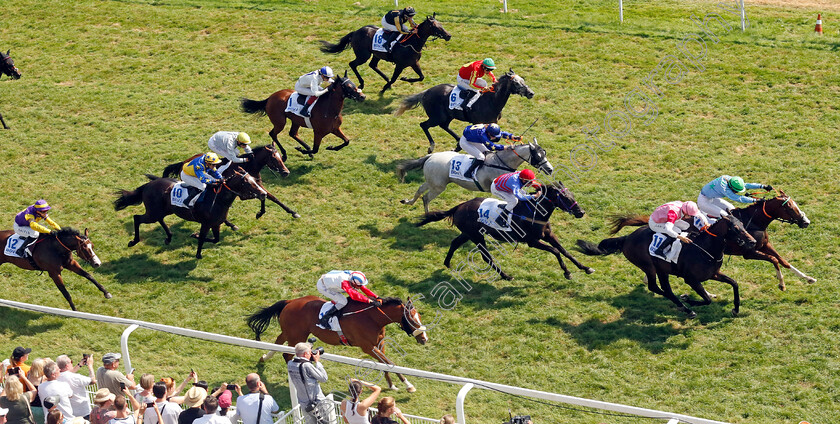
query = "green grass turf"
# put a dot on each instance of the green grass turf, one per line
(112, 90)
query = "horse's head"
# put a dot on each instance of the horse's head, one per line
(408, 317)
(244, 185)
(562, 198)
(735, 232)
(516, 84)
(537, 158)
(348, 89)
(71, 240)
(274, 161)
(785, 209)
(431, 27)
(7, 65)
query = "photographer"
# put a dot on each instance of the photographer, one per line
(306, 373)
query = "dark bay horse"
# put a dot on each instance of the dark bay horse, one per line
(405, 53)
(530, 223)
(757, 217)
(699, 261)
(487, 109)
(7, 67)
(53, 252)
(211, 212)
(362, 324)
(325, 115)
(263, 156)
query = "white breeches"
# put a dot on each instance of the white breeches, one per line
(224, 167)
(668, 228)
(714, 207)
(387, 26)
(510, 198)
(192, 181)
(338, 297)
(26, 231)
(476, 150)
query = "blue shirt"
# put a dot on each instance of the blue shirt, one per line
(510, 183)
(719, 187)
(478, 134)
(197, 169)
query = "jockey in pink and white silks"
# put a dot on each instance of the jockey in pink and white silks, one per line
(27, 224)
(336, 284)
(314, 84)
(479, 139)
(669, 220)
(711, 199)
(227, 143)
(510, 188)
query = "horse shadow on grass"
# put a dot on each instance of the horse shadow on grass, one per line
(475, 290)
(140, 267)
(297, 172)
(16, 322)
(377, 104)
(408, 237)
(644, 320)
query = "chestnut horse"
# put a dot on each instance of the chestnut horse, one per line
(405, 53)
(53, 252)
(362, 324)
(325, 115)
(7, 67)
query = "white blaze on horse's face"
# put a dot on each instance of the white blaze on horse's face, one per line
(419, 332)
(805, 221)
(520, 82)
(94, 260)
(254, 184)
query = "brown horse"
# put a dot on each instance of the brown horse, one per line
(211, 212)
(362, 324)
(405, 53)
(325, 116)
(757, 217)
(53, 252)
(7, 67)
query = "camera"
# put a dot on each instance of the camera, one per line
(85, 358)
(318, 350)
(231, 386)
(150, 405)
(13, 370)
(519, 419)
(122, 385)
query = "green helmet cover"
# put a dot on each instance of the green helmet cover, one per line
(737, 184)
(489, 64)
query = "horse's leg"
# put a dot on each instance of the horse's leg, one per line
(434, 191)
(215, 230)
(380, 356)
(446, 128)
(268, 355)
(768, 248)
(551, 238)
(202, 233)
(698, 288)
(736, 296)
(456, 243)
(3, 121)
(425, 125)
(166, 230)
(762, 256)
(373, 63)
(139, 219)
(277, 201)
(669, 293)
(316, 143)
(273, 134)
(478, 239)
(416, 67)
(233, 226)
(75, 267)
(55, 274)
(420, 191)
(340, 134)
(650, 279)
(536, 244)
(397, 71)
(293, 133)
(362, 56)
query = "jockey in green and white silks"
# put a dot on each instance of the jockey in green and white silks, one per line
(711, 199)
(227, 143)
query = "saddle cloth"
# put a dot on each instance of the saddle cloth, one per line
(12, 245)
(180, 193)
(458, 165)
(378, 43)
(296, 104)
(672, 253)
(456, 98)
(334, 326)
(489, 210)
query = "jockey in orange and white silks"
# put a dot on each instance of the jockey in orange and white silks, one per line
(469, 78)
(669, 220)
(336, 284)
(227, 144)
(27, 225)
(314, 84)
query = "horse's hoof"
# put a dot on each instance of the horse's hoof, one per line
(394, 388)
(168, 240)
(508, 277)
(734, 312)
(568, 275)
(811, 280)
(684, 297)
(262, 359)
(691, 314)
(132, 242)
(589, 270)
(782, 287)
(235, 228)
(447, 264)
(404, 201)
(194, 235)
(411, 389)
(108, 295)
(431, 149)
(295, 215)
(259, 215)
(198, 255)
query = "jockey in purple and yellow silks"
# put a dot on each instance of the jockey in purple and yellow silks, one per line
(27, 226)
(201, 171)
(510, 188)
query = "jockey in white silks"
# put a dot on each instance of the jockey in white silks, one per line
(711, 199)
(336, 284)
(313, 85)
(227, 143)
(667, 219)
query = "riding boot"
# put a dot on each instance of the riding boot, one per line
(305, 112)
(468, 96)
(197, 198)
(325, 320)
(26, 242)
(477, 163)
(502, 219)
(660, 251)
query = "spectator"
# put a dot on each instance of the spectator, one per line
(145, 395)
(36, 377)
(388, 407)
(306, 373)
(55, 416)
(211, 404)
(16, 399)
(225, 397)
(3, 412)
(168, 411)
(193, 401)
(447, 419)
(103, 410)
(78, 420)
(123, 415)
(78, 383)
(17, 359)
(54, 387)
(108, 376)
(353, 411)
(257, 406)
(172, 392)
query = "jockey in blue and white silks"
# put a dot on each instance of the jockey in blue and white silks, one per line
(711, 199)
(314, 84)
(510, 188)
(479, 139)
(227, 143)
(201, 171)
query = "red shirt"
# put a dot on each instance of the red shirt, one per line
(354, 294)
(473, 71)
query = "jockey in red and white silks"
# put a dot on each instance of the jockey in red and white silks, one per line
(336, 284)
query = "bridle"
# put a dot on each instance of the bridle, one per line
(78, 249)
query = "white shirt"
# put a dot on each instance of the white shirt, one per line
(310, 84)
(214, 419)
(169, 411)
(225, 144)
(127, 420)
(63, 391)
(333, 279)
(246, 409)
(78, 383)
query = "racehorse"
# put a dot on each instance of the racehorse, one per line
(487, 109)
(405, 53)
(7, 67)
(529, 225)
(325, 115)
(699, 260)
(211, 212)
(758, 217)
(53, 252)
(363, 325)
(436, 167)
(262, 156)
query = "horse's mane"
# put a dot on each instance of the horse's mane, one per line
(67, 231)
(388, 301)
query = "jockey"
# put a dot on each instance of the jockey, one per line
(481, 138)
(201, 171)
(227, 143)
(394, 23)
(27, 224)
(711, 199)
(312, 84)
(469, 78)
(335, 284)
(511, 187)
(669, 218)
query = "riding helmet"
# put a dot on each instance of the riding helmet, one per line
(358, 278)
(493, 131)
(408, 11)
(737, 184)
(243, 138)
(526, 175)
(326, 71)
(42, 205)
(211, 157)
(690, 208)
(489, 64)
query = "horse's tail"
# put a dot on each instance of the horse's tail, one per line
(336, 48)
(253, 106)
(409, 165)
(410, 102)
(435, 216)
(128, 198)
(259, 321)
(605, 247)
(173, 170)
(617, 222)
